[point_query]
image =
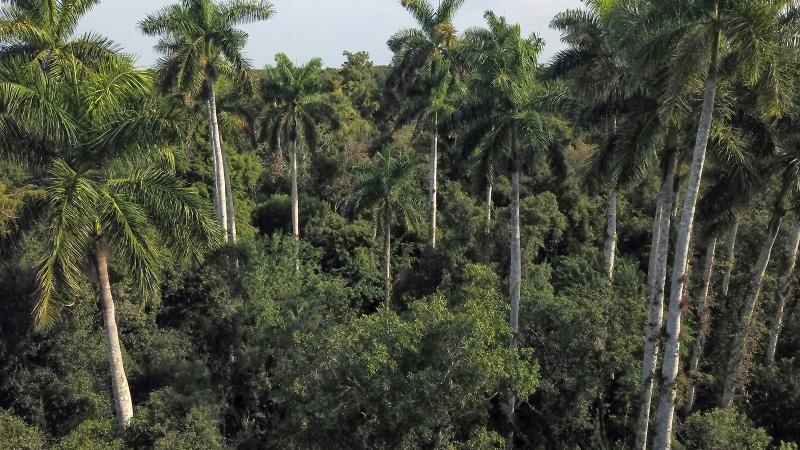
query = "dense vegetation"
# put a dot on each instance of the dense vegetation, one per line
(468, 249)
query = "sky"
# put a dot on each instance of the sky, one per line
(304, 29)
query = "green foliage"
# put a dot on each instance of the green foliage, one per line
(722, 429)
(15, 434)
(91, 435)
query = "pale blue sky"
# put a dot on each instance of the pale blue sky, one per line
(325, 28)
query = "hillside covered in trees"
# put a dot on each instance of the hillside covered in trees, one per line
(470, 248)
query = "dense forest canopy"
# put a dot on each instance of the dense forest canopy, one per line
(469, 248)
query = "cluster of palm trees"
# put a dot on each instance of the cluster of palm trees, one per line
(653, 77)
(648, 79)
(101, 141)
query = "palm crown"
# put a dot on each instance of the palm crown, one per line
(200, 41)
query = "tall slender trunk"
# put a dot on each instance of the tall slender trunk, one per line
(219, 181)
(704, 321)
(730, 257)
(784, 291)
(123, 405)
(746, 313)
(433, 181)
(228, 193)
(219, 172)
(387, 249)
(610, 247)
(515, 281)
(669, 368)
(489, 200)
(657, 275)
(295, 207)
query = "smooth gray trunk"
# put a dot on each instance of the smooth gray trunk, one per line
(433, 178)
(657, 275)
(216, 170)
(387, 249)
(295, 207)
(123, 405)
(489, 202)
(730, 258)
(703, 323)
(228, 193)
(746, 313)
(669, 368)
(784, 292)
(219, 165)
(610, 246)
(515, 283)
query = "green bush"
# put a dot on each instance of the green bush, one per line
(15, 434)
(722, 429)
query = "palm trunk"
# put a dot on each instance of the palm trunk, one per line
(489, 202)
(387, 249)
(515, 281)
(610, 247)
(295, 207)
(219, 164)
(219, 210)
(433, 181)
(669, 369)
(730, 256)
(657, 275)
(228, 193)
(704, 321)
(746, 313)
(123, 405)
(784, 291)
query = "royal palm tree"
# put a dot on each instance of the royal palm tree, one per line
(423, 68)
(388, 189)
(296, 101)
(517, 123)
(102, 197)
(600, 81)
(200, 42)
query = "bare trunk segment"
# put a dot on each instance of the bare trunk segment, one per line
(387, 249)
(730, 259)
(657, 275)
(219, 164)
(784, 292)
(746, 313)
(433, 177)
(123, 405)
(610, 247)
(295, 207)
(515, 282)
(703, 321)
(228, 193)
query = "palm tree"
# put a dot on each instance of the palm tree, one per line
(200, 42)
(423, 61)
(749, 35)
(41, 32)
(600, 80)
(388, 189)
(297, 101)
(102, 198)
(120, 213)
(514, 119)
